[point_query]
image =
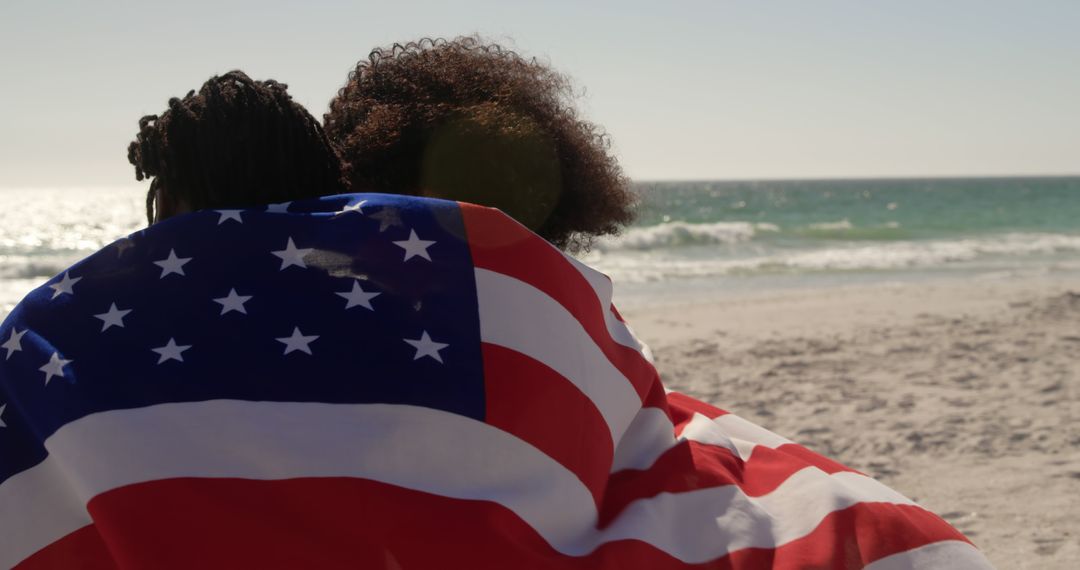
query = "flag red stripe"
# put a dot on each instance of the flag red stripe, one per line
(684, 407)
(805, 455)
(350, 523)
(855, 537)
(657, 398)
(82, 549)
(615, 312)
(537, 405)
(500, 244)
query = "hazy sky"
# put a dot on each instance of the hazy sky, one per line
(687, 90)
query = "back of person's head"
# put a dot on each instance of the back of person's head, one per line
(236, 143)
(473, 122)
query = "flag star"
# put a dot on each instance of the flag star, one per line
(387, 217)
(297, 341)
(54, 367)
(233, 302)
(114, 317)
(171, 351)
(358, 297)
(65, 285)
(415, 247)
(172, 264)
(292, 255)
(14, 342)
(426, 347)
(2, 408)
(357, 207)
(227, 215)
(282, 208)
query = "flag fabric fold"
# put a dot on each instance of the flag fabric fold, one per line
(391, 382)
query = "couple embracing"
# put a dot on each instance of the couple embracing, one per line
(363, 344)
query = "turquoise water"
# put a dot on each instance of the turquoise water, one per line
(918, 208)
(783, 233)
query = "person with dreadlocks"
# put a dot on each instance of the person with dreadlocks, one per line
(471, 121)
(235, 143)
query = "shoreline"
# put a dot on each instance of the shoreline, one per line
(832, 303)
(963, 394)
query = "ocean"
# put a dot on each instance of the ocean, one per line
(695, 239)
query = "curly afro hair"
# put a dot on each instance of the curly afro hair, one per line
(236, 143)
(474, 122)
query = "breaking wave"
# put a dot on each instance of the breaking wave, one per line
(654, 266)
(685, 234)
(844, 224)
(921, 254)
(676, 234)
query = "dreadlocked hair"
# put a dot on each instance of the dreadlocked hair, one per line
(470, 121)
(235, 143)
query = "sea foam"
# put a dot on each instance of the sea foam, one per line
(675, 234)
(643, 266)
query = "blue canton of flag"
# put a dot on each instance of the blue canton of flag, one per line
(261, 305)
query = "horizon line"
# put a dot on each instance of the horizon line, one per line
(854, 178)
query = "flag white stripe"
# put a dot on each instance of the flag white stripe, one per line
(601, 285)
(518, 316)
(732, 432)
(38, 506)
(701, 429)
(949, 554)
(648, 437)
(412, 447)
(738, 429)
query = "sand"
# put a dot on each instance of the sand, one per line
(961, 394)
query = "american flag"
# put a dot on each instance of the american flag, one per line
(374, 381)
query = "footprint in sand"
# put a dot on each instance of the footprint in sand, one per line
(963, 521)
(1047, 546)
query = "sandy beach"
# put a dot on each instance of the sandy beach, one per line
(962, 394)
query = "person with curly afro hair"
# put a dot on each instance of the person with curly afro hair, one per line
(473, 122)
(235, 143)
